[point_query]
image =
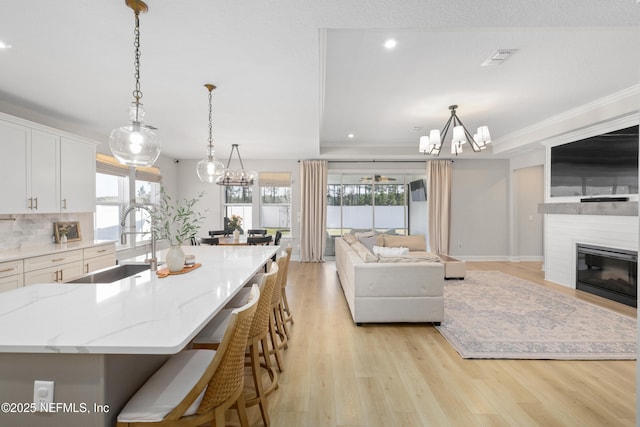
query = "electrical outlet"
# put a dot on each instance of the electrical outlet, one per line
(42, 394)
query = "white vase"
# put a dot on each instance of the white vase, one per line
(236, 236)
(175, 258)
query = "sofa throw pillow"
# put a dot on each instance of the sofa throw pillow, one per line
(390, 252)
(414, 243)
(350, 238)
(369, 233)
(364, 253)
(369, 242)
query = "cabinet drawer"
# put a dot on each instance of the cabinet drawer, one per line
(52, 260)
(53, 274)
(11, 268)
(11, 282)
(101, 250)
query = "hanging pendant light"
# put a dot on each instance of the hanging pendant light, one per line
(209, 169)
(135, 144)
(239, 177)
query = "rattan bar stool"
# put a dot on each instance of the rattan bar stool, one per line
(197, 386)
(209, 338)
(286, 311)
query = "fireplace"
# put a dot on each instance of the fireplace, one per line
(608, 272)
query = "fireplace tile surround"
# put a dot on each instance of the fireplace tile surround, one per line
(609, 224)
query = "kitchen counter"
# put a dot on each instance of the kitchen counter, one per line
(100, 342)
(143, 314)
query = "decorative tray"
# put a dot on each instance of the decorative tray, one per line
(164, 272)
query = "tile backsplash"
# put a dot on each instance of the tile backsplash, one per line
(18, 231)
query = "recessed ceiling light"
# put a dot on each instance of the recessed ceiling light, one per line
(390, 44)
(4, 45)
(351, 136)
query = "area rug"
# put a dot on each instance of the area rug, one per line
(492, 315)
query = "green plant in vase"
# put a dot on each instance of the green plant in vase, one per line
(176, 222)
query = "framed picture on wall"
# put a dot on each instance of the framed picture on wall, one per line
(67, 231)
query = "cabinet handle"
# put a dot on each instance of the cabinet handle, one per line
(30, 202)
(64, 203)
(56, 279)
(57, 260)
(102, 250)
(86, 268)
(36, 200)
(7, 269)
(61, 278)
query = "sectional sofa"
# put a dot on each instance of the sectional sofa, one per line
(402, 285)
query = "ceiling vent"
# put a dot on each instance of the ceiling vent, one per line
(498, 57)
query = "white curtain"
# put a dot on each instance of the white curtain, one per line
(439, 195)
(313, 209)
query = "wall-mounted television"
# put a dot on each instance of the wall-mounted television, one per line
(418, 191)
(602, 165)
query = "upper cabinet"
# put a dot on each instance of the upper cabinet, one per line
(77, 176)
(42, 171)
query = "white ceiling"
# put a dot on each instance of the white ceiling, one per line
(295, 77)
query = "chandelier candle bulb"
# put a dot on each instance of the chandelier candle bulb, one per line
(460, 136)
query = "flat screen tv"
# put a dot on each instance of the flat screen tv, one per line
(602, 165)
(418, 191)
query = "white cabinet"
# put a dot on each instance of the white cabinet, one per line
(13, 167)
(99, 257)
(44, 172)
(56, 267)
(11, 275)
(77, 176)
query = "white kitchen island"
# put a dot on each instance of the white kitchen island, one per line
(100, 342)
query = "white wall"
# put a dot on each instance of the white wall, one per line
(480, 209)
(528, 223)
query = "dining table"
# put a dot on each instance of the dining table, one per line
(99, 342)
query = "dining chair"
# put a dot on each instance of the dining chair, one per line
(194, 387)
(257, 232)
(259, 240)
(195, 241)
(214, 233)
(276, 240)
(257, 344)
(210, 240)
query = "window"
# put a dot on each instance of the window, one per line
(238, 200)
(275, 202)
(357, 202)
(115, 185)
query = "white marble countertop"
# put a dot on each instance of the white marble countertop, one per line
(37, 250)
(139, 315)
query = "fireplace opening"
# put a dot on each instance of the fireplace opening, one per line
(608, 272)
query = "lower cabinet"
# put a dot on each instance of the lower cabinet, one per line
(99, 257)
(58, 267)
(11, 276)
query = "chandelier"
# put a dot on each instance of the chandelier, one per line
(209, 169)
(239, 177)
(432, 144)
(135, 144)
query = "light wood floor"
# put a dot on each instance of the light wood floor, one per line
(338, 374)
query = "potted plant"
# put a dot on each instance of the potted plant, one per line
(235, 224)
(177, 222)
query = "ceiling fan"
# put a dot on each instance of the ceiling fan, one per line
(376, 178)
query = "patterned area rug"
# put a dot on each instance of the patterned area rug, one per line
(491, 315)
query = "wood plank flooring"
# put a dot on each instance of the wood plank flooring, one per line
(338, 374)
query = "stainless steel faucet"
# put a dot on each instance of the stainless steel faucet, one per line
(153, 261)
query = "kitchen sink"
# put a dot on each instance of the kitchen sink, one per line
(112, 274)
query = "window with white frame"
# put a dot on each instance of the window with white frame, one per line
(275, 202)
(238, 201)
(117, 187)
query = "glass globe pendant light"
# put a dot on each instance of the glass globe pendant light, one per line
(209, 169)
(135, 144)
